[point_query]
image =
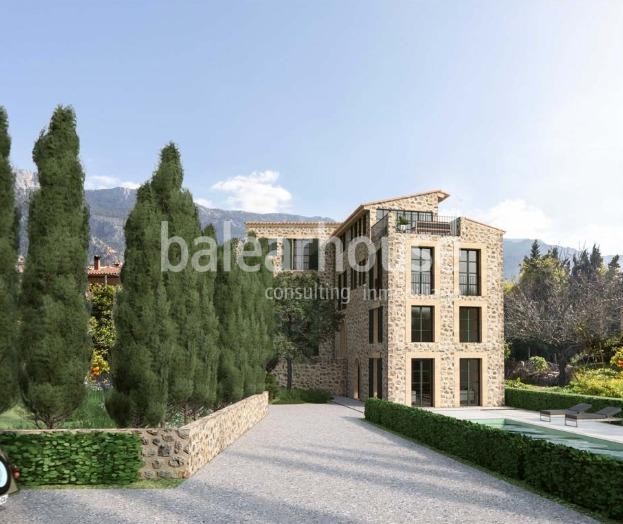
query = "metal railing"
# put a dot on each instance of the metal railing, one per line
(437, 225)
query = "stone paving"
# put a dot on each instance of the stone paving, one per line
(306, 463)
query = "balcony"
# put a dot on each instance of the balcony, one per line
(432, 225)
(419, 223)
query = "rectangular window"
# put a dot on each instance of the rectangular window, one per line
(470, 381)
(422, 323)
(469, 272)
(375, 377)
(422, 376)
(422, 270)
(469, 324)
(371, 326)
(411, 218)
(300, 254)
(380, 324)
(272, 246)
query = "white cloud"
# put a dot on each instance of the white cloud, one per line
(519, 219)
(257, 192)
(204, 202)
(107, 182)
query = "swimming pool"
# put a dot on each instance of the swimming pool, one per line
(573, 440)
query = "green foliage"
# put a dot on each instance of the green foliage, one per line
(564, 309)
(580, 477)
(141, 357)
(303, 320)
(301, 396)
(537, 399)
(54, 346)
(601, 382)
(9, 222)
(101, 328)
(271, 385)
(62, 457)
(538, 363)
(617, 360)
(246, 320)
(90, 415)
(194, 356)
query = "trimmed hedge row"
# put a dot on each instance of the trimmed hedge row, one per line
(539, 399)
(592, 481)
(63, 457)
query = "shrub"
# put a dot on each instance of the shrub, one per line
(270, 383)
(468, 440)
(316, 396)
(64, 457)
(539, 364)
(580, 477)
(602, 382)
(617, 360)
(299, 396)
(538, 399)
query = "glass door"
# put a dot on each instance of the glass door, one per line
(422, 382)
(470, 382)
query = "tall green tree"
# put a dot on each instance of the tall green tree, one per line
(54, 341)
(566, 310)
(141, 356)
(206, 369)
(9, 239)
(188, 291)
(246, 319)
(228, 301)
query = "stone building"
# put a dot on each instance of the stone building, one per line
(423, 321)
(107, 275)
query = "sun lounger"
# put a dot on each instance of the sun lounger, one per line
(603, 415)
(547, 414)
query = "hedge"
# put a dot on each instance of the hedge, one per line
(64, 457)
(589, 480)
(539, 399)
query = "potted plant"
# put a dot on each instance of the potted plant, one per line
(403, 223)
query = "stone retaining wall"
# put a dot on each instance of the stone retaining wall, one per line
(180, 452)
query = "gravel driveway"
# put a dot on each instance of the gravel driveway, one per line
(306, 463)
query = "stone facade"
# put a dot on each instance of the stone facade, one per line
(329, 374)
(351, 351)
(328, 369)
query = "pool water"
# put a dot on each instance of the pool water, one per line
(573, 440)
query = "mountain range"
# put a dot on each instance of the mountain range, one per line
(109, 209)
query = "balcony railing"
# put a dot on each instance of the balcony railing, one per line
(435, 225)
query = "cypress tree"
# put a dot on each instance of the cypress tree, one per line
(54, 341)
(246, 325)
(141, 356)
(9, 237)
(205, 378)
(228, 301)
(188, 290)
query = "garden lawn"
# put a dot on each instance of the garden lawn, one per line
(90, 415)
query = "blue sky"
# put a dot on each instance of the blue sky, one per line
(515, 108)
